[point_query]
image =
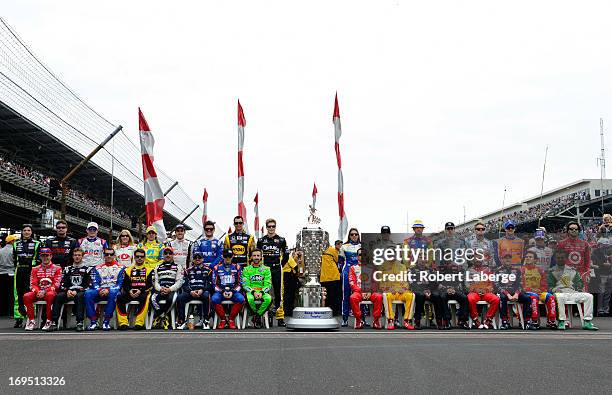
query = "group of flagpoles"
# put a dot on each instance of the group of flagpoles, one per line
(154, 200)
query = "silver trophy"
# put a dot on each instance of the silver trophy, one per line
(312, 241)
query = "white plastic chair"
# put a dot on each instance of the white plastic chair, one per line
(245, 315)
(570, 312)
(453, 305)
(515, 307)
(393, 304)
(486, 304)
(101, 316)
(38, 311)
(68, 315)
(149, 320)
(237, 320)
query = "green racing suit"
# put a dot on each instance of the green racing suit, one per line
(257, 279)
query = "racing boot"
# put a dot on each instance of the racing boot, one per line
(221, 313)
(504, 325)
(233, 313)
(376, 324)
(417, 325)
(390, 325)
(344, 321)
(463, 325)
(488, 324)
(407, 326)
(476, 323)
(18, 323)
(561, 325)
(588, 326)
(551, 325)
(439, 324)
(447, 325)
(358, 323)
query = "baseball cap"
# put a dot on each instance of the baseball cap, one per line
(385, 229)
(539, 234)
(45, 251)
(179, 226)
(168, 248)
(418, 224)
(228, 253)
(509, 223)
(151, 229)
(449, 225)
(93, 225)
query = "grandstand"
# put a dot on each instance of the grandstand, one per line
(579, 200)
(46, 130)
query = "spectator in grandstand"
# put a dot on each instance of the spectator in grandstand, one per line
(25, 257)
(358, 294)
(44, 283)
(578, 253)
(167, 280)
(75, 281)
(566, 282)
(534, 283)
(426, 290)
(478, 242)
(450, 244)
(452, 288)
(107, 279)
(398, 289)
(210, 247)
(197, 285)
(510, 243)
(602, 265)
(542, 252)
(347, 257)
(61, 244)
(136, 287)
(181, 247)
(256, 284)
(152, 247)
(7, 271)
(481, 289)
(125, 247)
(226, 280)
(508, 287)
(330, 277)
(93, 246)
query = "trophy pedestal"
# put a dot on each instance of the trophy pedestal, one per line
(312, 318)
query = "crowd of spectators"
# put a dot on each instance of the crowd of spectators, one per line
(42, 179)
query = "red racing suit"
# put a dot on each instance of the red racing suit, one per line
(45, 278)
(481, 291)
(535, 286)
(355, 280)
(579, 257)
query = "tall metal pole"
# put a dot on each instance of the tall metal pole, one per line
(110, 232)
(78, 167)
(189, 215)
(542, 187)
(502, 214)
(142, 215)
(602, 163)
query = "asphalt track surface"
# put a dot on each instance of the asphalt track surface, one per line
(279, 361)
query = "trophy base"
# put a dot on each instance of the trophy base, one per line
(312, 318)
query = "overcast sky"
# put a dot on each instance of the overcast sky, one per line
(442, 105)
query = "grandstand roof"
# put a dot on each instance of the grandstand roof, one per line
(45, 124)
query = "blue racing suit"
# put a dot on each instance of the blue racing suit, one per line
(104, 276)
(347, 257)
(227, 277)
(211, 250)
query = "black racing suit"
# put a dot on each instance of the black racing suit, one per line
(25, 256)
(74, 278)
(61, 248)
(275, 256)
(241, 245)
(426, 290)
(453, 289)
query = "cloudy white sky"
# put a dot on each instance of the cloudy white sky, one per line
(442, 105)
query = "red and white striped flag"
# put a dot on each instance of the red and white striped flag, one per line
(241, 207)
(343, 227)
(204, 208)
(256, 226)
(154, 197)
(314, 196)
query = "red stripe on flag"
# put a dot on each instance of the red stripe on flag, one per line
(241, 118)
(314, 190)
(240, 168)
(155, 211)
(341, 204)
(205, 197)
(143, 126)
(148, 170)
(336, 108)
(338, 159)
(256, 200)
(242, 211)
